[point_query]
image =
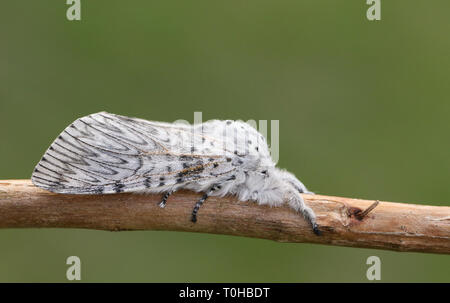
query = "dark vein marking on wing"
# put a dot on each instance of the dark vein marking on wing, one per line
(116, 165)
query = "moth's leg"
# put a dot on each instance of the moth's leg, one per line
(309, 215)
(296, 200)
(166, 195)
(299, 186)
(203, 199)
(298, 203)
(307, 212)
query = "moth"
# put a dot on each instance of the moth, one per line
(105, 153)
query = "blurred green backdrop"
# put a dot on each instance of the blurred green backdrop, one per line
(363, 109)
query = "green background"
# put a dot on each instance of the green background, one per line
(363, 110)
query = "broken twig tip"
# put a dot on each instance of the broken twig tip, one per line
(364, 213)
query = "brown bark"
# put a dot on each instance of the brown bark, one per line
(392, 226)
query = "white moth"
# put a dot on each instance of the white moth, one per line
(105, 153)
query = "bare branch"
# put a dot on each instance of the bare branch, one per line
(343, 221)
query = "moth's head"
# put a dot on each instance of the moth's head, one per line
(264, 185)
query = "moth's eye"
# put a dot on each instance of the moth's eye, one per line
(264, 172)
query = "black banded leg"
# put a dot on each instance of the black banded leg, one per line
(166, 195)
(306, 214)
(200, 202)
(316, 229)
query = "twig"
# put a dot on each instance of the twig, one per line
(343, 221)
